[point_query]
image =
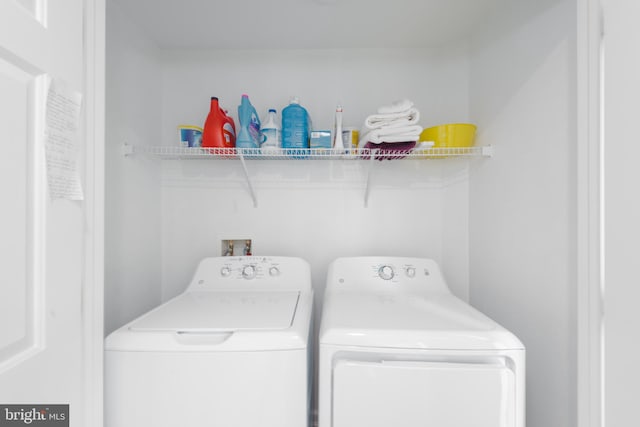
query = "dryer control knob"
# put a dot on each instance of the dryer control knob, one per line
(248, 272)
(225, 271)
(386, 272)
(274, 271)
(411, 272)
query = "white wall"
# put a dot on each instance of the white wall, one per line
(359, 79)
(132, 217)
(523, 202)
(314, 209)
(621, 212)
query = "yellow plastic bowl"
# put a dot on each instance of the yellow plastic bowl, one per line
(450, 135)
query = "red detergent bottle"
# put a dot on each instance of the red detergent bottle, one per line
(219, 129)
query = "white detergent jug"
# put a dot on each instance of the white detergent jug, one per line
(271, 132)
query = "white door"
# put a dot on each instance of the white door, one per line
(44, 350)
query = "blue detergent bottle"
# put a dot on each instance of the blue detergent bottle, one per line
(295, 126)
(249, 135)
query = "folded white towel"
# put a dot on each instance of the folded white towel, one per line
(400, 130)
(399, 134)
(401, 119)
(396, 107)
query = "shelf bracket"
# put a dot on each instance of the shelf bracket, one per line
(367, 189)
(248, 179)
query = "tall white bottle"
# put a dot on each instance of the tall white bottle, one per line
(271, 133)
(338, 143)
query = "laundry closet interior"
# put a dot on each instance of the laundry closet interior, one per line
(500, 223)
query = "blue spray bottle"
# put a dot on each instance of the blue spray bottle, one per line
(249, 135)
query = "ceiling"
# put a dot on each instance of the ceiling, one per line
(260, 24)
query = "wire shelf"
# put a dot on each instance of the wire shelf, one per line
(184, 153)
(244, 154)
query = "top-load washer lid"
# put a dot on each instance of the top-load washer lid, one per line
(247, 304)
(222, 311)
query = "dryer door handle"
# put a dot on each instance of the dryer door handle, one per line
(202, 337)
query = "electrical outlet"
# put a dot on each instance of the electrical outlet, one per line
(236, 247)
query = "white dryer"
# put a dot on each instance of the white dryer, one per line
(232, 350)
(398, 349)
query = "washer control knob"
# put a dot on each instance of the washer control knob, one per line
(411, 272)
(248, 271)
(225, 271)
(274, 271)
(386, 272)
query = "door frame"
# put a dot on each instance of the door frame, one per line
(589, 384)
(93, 275)
(589, 256)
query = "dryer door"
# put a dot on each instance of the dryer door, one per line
(426, 394)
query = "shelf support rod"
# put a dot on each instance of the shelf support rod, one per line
(367, 188)
(246, 176)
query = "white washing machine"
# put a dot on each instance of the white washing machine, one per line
(398, 349)
(232, 350)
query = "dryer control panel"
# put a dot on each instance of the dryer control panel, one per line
(393, 272)
(383, 273)
(253, 272)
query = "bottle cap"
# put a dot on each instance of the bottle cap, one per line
(294, 100)
(272, 110)
(214, 97)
